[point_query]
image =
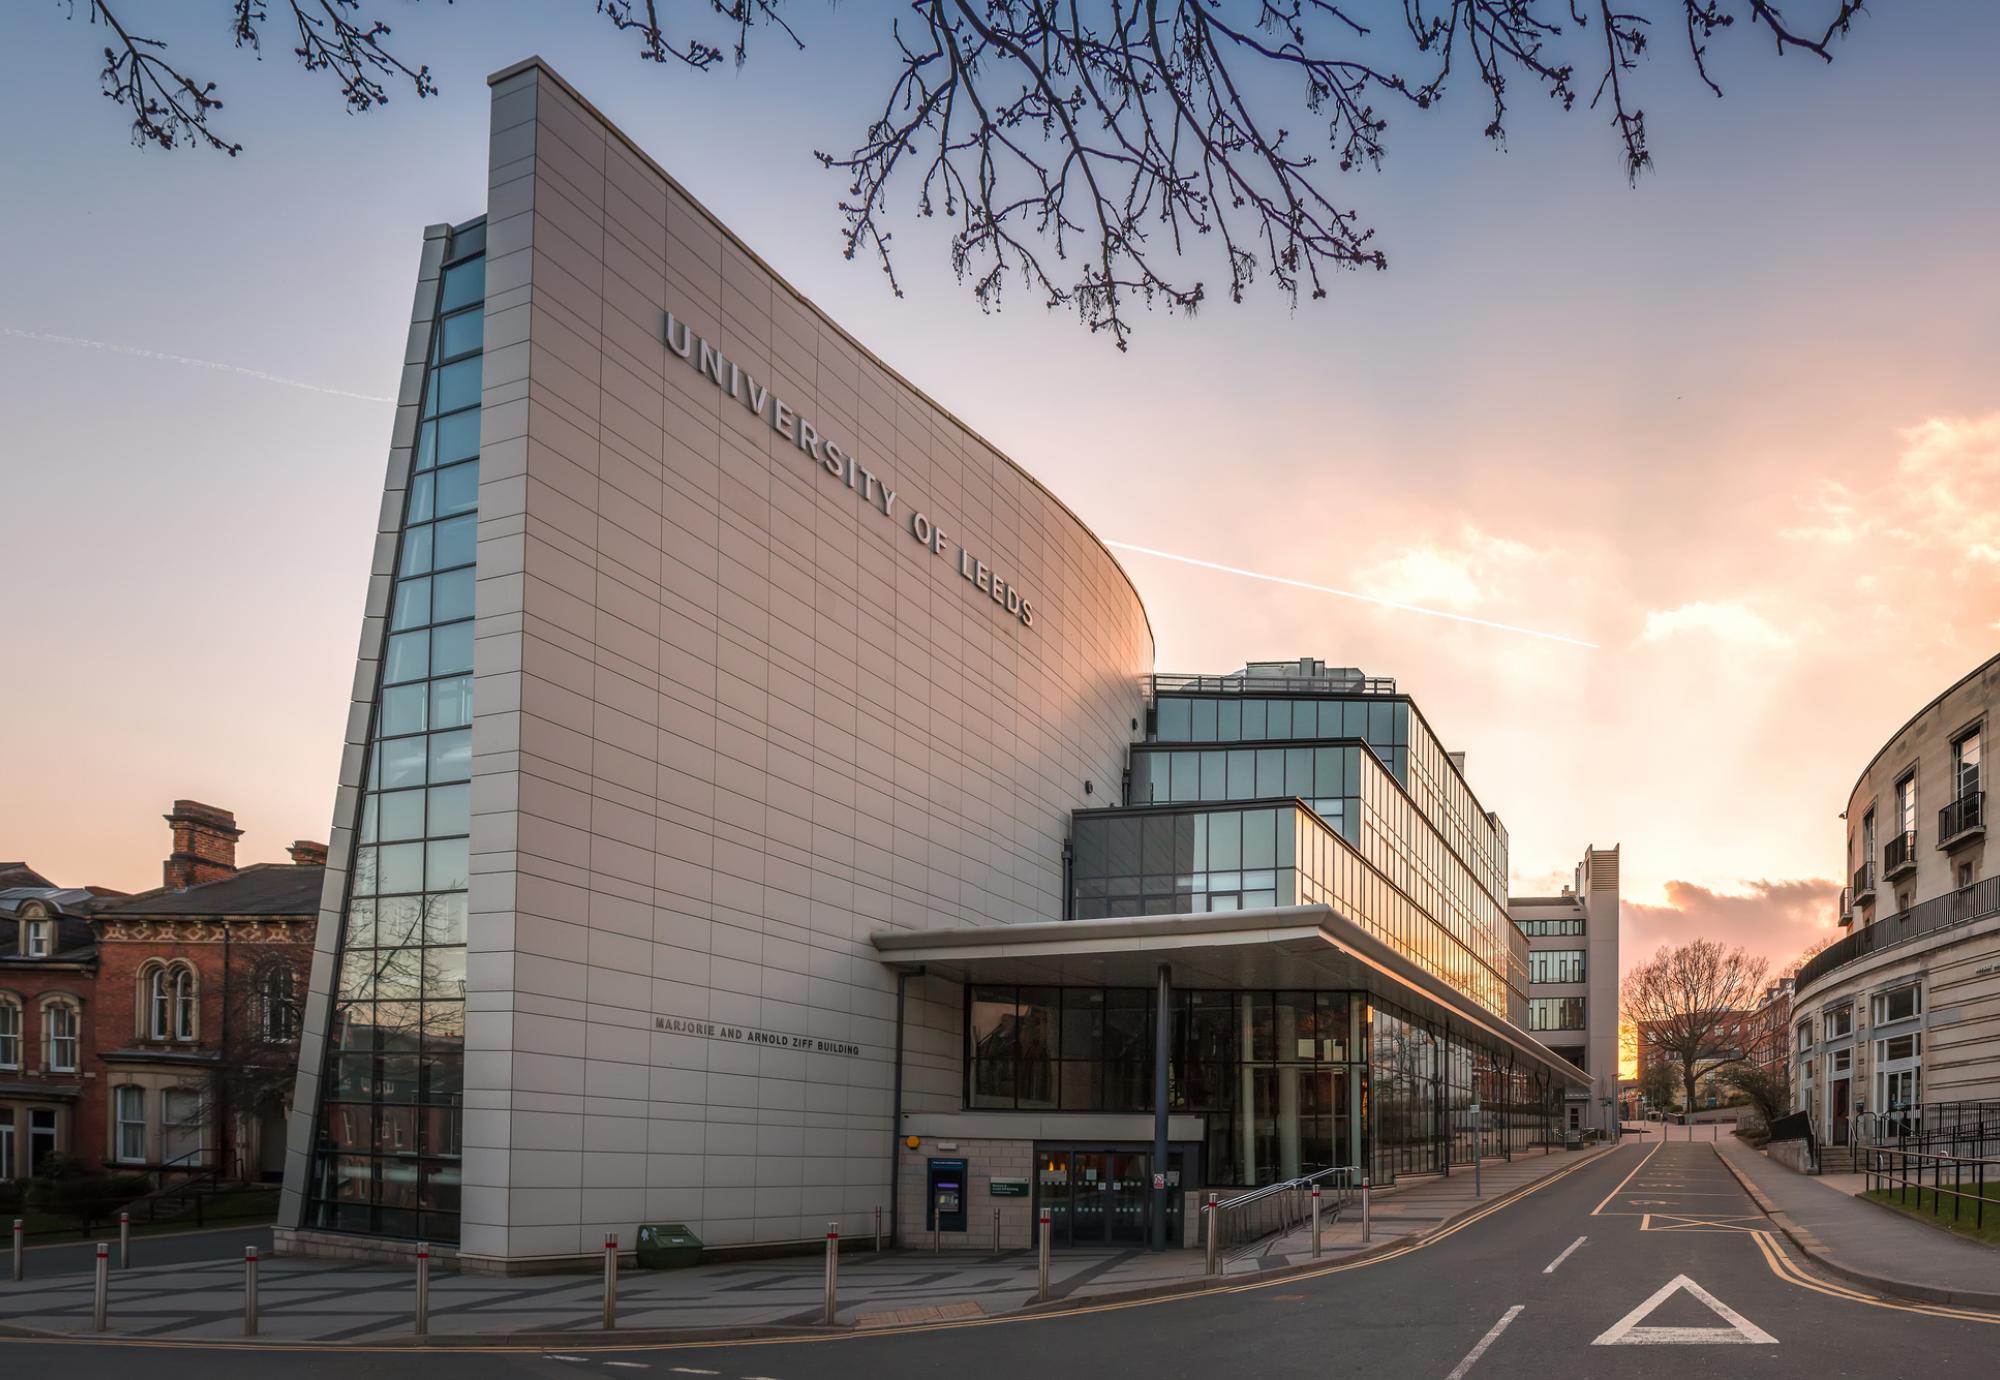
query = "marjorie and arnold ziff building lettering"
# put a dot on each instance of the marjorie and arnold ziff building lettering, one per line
(763, 403)
(706, 850)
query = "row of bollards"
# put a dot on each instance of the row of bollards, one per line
(101, 1296)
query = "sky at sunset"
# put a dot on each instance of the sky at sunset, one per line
(1738, 428)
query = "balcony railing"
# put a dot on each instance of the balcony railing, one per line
(1900, 855)
(1846, 906)
(1267, 683)
(1975, 902)
(1864, 881)
(1962, 817)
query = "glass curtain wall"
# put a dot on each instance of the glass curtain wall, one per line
(1172, 862)
(1286, 1082)
(388, 1140)
(1277, 1076)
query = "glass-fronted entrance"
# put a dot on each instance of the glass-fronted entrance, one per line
(1103, 1195)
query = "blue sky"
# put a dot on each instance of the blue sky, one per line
(1684, 421)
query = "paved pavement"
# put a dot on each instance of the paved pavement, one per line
(1646, 1263)
(168, 1248)
(198, 1291)
(1865, 1242)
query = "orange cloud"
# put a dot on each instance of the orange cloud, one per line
(1778, 920)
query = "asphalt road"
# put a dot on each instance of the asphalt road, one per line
(1513, 1293)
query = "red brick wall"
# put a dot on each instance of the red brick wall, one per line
(29, 987)
(227, 1009)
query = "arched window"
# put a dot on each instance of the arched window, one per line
(168, 1002)
(184, 1002)
(276, 1021)
(62, 1035)
(10, 1032)
(37, 932)
(154, 1005)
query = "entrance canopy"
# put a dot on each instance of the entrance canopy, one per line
(1310, 947)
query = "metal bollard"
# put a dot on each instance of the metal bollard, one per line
(1477, 1160)
(832, 1272)
(1042, 1261)
(421, 1324)
(249, 1291)
(1213, 1223)
(878, 1231)
(124, 1240)
(20, 1255)
(1367, 1227)
(100, 1304)
(610, 1280)
(937, 1233)
(996, 1231)
(1315, 1221)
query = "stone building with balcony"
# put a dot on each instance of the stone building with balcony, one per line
(1898, 1023)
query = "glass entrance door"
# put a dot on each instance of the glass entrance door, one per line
(1104, 1197)
(1090, 1197)
(1131, 1198)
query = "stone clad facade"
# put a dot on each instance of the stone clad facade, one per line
(1897, 1024)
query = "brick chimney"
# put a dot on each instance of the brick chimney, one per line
(204, 844)
(306, 853)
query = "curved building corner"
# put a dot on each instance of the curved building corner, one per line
(1897, 1023)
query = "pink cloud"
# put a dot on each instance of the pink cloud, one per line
(1777, 920)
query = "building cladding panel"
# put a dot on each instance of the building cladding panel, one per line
(1922, 910)
(1573, 958)
(730, 715)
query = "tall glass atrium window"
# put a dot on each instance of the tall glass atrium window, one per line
(388, 1144)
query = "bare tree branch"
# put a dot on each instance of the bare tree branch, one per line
(1692, 1006)
(1088, 148)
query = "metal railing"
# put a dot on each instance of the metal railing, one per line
(1266, 683)
(1864, 880)
(1969, 1128)
(1963, 1179)
(1975, 902)
(1234, 1224)
(1962, 814)
(1899, 853)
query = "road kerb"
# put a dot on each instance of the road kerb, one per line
(629, 1339)
(1816, 1251)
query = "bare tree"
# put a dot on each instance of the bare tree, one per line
(1091, 149)
(1692, 1004)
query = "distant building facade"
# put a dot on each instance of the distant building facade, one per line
(1573, 977)
(157, 1032)
(48, 973)
(1901, 1018)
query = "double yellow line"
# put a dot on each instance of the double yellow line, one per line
(1783, 1267)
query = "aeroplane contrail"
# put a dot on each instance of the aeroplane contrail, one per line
(1351, 594)
(137, 353)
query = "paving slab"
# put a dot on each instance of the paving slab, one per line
(303, 1299)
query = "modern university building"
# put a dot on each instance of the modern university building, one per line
(759, 806)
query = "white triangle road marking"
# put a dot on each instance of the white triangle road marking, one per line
(1740, 1331)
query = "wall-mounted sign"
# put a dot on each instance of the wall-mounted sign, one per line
(841, 463)
(747, 1035)
(1007, 1188)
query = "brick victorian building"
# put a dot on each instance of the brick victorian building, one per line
(157, 1031)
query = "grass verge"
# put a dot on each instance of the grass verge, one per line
(1936, 1209)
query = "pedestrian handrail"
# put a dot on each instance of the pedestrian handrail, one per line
(1962, 1178)
(1239, 1222)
